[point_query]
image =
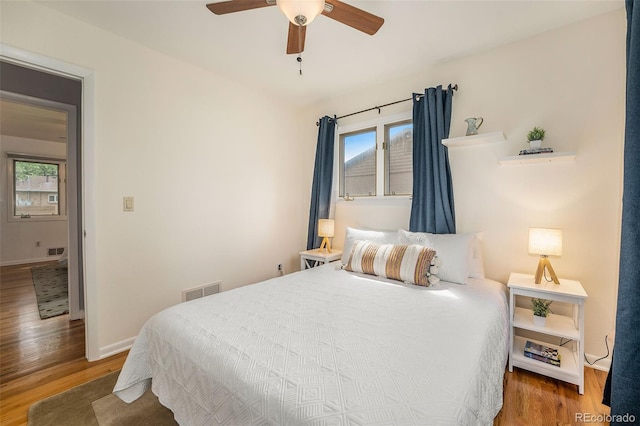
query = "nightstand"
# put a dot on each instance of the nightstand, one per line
(564, 327)
(312, 258)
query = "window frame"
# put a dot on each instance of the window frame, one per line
(379, 124)
(62, 182)
(387, 156)
(341, 162)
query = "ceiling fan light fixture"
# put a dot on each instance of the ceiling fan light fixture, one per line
(301, 12)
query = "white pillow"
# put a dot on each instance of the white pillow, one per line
(353, 234)
(476, 258)
(453, 250)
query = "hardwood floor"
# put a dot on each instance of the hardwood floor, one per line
(534, 400)
(40, 358)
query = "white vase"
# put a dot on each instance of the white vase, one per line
(535, 144)
(539, 321)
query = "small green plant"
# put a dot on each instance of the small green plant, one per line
(536, 134)
(541, 307)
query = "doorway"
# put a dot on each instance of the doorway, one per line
(40, 136)
(18, 63)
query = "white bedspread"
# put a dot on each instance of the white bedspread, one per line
(326, 346)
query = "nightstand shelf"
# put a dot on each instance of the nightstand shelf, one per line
(312, 258)
(563, 327)
(569, 370)
(556, 325)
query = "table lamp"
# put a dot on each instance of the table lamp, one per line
(545, 242)
(326, 229)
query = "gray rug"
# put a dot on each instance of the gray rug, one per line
(93, 404)
(52, 290)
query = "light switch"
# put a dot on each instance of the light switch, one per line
(127, 204)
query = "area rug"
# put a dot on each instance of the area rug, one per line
(93, 404)
(52, 290)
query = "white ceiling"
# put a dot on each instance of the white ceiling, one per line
(32, 121)
(250, 46)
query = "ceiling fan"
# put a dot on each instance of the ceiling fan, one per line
(300, 14)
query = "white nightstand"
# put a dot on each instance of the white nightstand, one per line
(566, 327)
(313, 258)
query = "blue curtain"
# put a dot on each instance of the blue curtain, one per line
(432, 203)
(322, 179)
(625, 368)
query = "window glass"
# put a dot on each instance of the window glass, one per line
(398, 158)
(36, 188)
(358, 160)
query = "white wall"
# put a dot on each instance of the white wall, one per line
(570, 81)
(18, 239)
(167, 132)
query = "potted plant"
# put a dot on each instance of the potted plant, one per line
(540, 311)
(535, 137)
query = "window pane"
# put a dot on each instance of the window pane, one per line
(359, 164)
(36, 188)
(399, 159)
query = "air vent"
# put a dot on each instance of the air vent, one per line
(55, 251)
(198, 292)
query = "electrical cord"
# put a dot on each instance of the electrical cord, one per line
(606, 343)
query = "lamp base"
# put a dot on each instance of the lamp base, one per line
(542, 264)
(326, 244)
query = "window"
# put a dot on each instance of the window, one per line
(376, 160)
(358, 160)
(398, 159)
(37, 186)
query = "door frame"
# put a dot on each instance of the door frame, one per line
(86, 211)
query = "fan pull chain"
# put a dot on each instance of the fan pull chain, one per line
(299, 58)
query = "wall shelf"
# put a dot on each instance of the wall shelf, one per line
(474, 140)
(537, 158)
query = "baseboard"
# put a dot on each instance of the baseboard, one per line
(116, 348)
(27, 261)
(79, 315)
(602, 365)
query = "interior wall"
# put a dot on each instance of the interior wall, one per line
(215, 192)
(18, 239)
(568, 81)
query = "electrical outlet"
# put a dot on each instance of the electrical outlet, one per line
(280, 270)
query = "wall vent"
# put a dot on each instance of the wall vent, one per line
(202, 291)
(55, 251)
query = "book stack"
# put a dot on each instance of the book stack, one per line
(536, 151)
(542, 353)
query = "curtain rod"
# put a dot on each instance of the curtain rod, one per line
(454, 87)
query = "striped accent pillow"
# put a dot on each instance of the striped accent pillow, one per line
(408, 263)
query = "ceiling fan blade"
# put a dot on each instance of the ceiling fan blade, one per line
(231, 6)
(295, 41)
(353, 17)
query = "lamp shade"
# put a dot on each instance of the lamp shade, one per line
(545, 241)
(308, 9)
(326, 228)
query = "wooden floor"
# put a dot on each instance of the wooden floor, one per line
(40, 358)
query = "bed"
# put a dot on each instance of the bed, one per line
(327, 346)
